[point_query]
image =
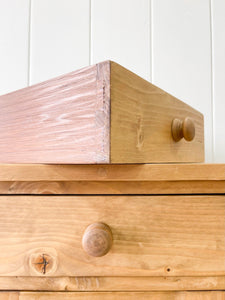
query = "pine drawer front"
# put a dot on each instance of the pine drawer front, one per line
(41, 236)
(100, 114)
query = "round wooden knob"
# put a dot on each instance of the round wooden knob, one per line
(183, 129)
(97, 239)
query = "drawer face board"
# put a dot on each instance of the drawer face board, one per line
(114, 295)
(113, 179)
(152, 235)
(112, 283)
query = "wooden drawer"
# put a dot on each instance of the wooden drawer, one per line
(152, 235)
(98, 115)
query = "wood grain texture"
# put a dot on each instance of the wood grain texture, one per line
(9, 296)
(141, 118)
(112, 187)
(217, 295)
(145, 283)
(64, 120)
(153, 235)
(131, 172)
(112, 179)
(99, 114)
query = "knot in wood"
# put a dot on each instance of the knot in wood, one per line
(42, 263)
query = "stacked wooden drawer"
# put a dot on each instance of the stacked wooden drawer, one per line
(97, 221)
(98, 115)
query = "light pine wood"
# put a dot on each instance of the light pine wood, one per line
(141, 119)
(153, 235)
(139, 283)
(112, 179)
(133, 172)
(219, 295)
(175, 243)
(127, 295)
(112, 187)
(9, 296)
(99, 114)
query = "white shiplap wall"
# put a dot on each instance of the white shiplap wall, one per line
(181, 55)
(14, 44)
(59, 37)
(178, 45)
(120, 31)
(218, 78)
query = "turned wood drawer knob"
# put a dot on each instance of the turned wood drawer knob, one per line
(183, 129)
(97, 239)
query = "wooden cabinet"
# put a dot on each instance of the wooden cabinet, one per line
(116, 228)
(159, 230)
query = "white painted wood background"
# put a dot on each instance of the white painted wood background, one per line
(179, 45)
